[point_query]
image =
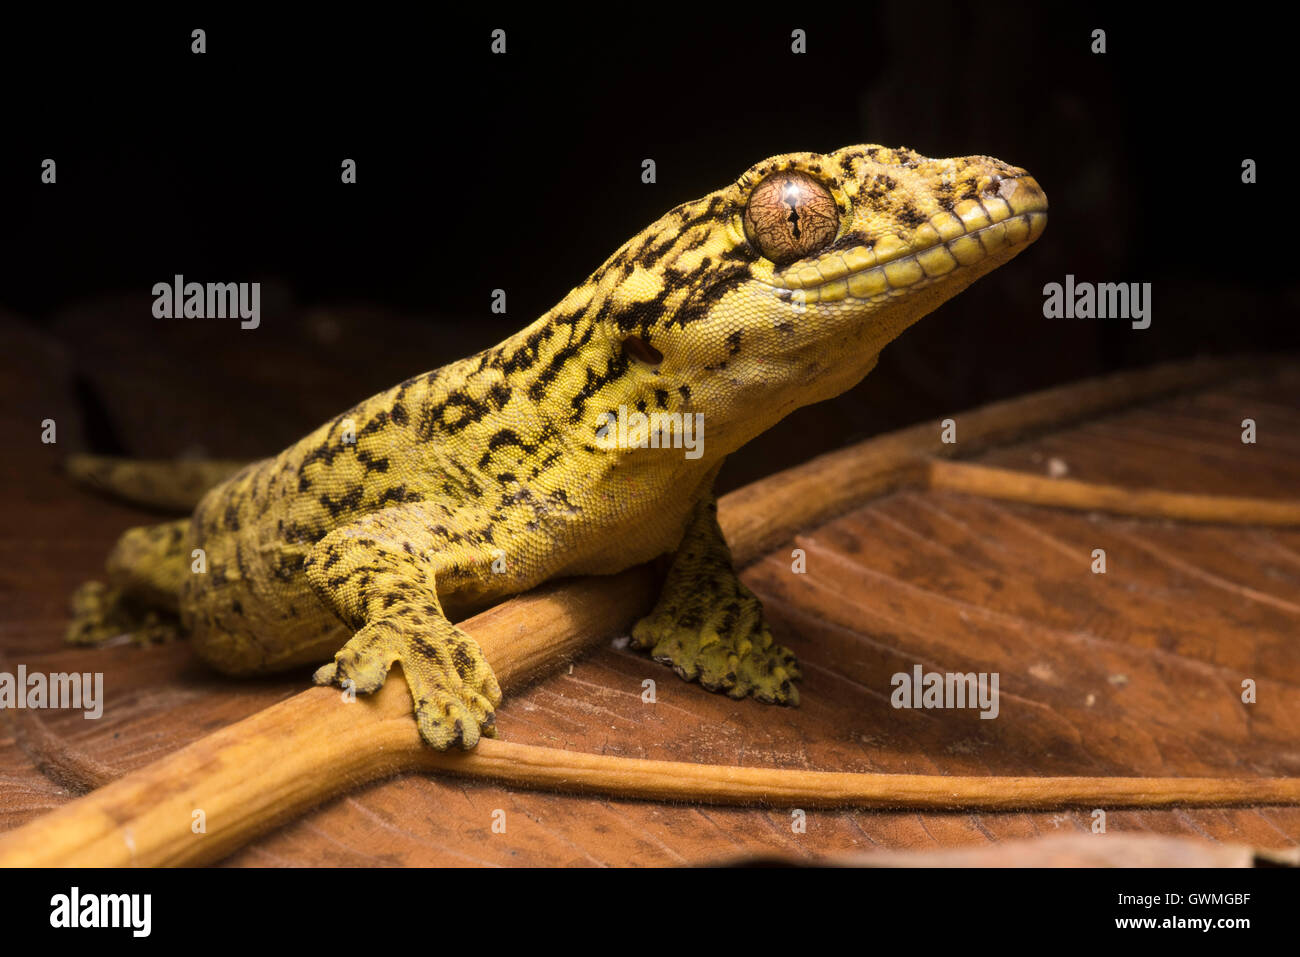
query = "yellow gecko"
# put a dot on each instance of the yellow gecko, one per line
(586, 443)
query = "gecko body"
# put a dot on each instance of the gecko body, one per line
(497, 472)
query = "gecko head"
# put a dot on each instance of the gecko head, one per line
(781, 289)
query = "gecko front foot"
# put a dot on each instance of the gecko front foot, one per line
(709, 626)
(716, 634)
(452, 686)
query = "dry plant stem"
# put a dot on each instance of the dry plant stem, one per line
(1011, 485)
(287, 758)
(278, 763)
(766, 513)
(556, 770)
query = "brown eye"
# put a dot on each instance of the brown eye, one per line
(790, 215)
(638, 348)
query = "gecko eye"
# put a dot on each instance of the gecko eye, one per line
(790, 215)
(638, 348)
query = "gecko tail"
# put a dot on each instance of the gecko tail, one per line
(169, 485)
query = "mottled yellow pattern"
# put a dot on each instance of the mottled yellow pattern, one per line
(490, 475)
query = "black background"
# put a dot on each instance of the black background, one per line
(931, 906)
(523, 172)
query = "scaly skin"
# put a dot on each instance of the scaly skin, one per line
(493, 474)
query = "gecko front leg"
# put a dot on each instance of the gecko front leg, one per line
(708, 625)
(381, 575)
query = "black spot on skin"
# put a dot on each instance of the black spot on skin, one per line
(503, 438)
(645, 313)
(881, 187)
(232, 518)
(451, 416)
(558, 360)
(526, 356)
(372, 464)
(909, 215)
(377, 424)
(398, 414)
(650, 256)
(733, 342)
(690, 621)
(328, 449)
(615, 366)
(399, 494)
(345, 502)
(740, 253)
(570, 318)
(661, 398)
(685, 391)
(463, 662)
(701, 303)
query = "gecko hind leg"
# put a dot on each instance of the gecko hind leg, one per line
(708, 626)
(102, 614)
(146, 570)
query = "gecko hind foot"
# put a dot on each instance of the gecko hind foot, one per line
(102, 615)
(453, 688)
(718, 637)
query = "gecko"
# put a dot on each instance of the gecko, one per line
(361, 544)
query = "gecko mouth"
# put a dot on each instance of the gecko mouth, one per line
(1011, 215)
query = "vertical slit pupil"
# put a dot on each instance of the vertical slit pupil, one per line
(790, 195)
